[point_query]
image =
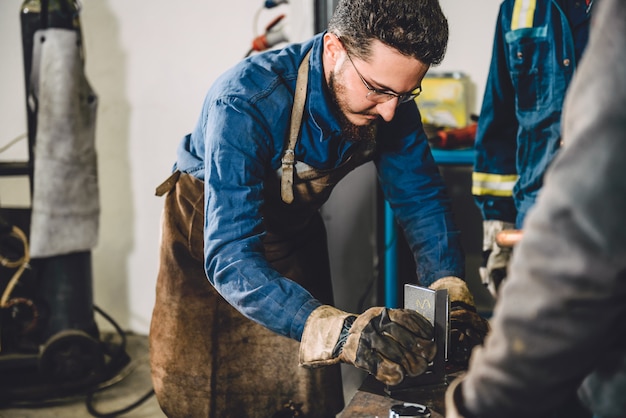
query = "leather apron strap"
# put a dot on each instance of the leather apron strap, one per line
(289, 156)
(168, 185)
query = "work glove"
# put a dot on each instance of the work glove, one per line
(467, 328)
(390, 344)
(495, 258)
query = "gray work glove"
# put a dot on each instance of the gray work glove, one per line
(388, 343)
(495, 258)
(467, 328)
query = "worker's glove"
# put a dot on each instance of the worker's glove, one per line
(467, 328)
(495, 258)
(388, 343)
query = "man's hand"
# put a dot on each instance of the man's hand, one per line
(388, 343)
(467, 328)
(495, 258)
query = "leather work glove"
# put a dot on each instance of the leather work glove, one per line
(388, 343)
(495, 258)
(467, 328)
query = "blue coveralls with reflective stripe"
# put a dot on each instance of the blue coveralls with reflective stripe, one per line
(537, 44)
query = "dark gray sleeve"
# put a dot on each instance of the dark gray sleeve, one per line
(562, 313)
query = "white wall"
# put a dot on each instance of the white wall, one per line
(150, 62)
(472, 24)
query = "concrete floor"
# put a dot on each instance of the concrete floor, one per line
(134, 383)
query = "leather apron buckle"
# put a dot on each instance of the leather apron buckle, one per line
(286, 184)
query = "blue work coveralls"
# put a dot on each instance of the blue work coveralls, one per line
(537, 44)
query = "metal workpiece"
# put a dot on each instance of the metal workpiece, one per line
(429, 387)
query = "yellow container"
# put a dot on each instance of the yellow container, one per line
(444, 100)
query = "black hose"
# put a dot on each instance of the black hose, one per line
(119, 355)
(119, 412)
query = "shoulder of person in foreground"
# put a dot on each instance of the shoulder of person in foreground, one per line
(577, 217)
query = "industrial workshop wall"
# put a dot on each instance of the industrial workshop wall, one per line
(150, 62)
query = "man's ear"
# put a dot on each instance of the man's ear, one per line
(333, 49)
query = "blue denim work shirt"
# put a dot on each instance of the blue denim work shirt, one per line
(237, 144)
(535, 52)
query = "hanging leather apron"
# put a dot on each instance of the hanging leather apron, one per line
(207, 359)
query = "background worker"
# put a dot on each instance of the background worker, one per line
(559, 326)
(537, 44)
(242, 209)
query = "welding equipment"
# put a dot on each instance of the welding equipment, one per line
(274, 35)
(50, 344)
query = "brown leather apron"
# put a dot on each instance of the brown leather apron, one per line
(207, 359)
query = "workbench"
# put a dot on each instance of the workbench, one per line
(372, 399)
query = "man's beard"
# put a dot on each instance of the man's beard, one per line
(350, 131)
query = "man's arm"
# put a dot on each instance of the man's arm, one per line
(496, 137)
(411, 183)
(495, 172)
(237, 157)
(416, 192)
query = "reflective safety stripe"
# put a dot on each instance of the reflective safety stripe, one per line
(493, 184)
(523, 14)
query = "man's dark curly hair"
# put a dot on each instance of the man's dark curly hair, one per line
(416, 28)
